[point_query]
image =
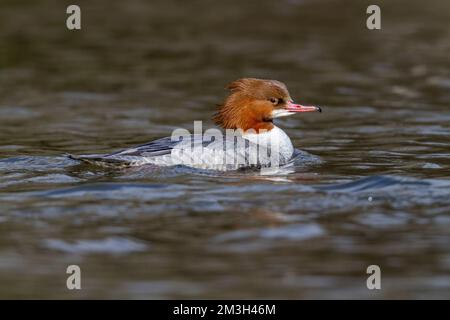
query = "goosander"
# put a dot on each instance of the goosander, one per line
(251, 140)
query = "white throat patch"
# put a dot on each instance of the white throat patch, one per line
(277, 113)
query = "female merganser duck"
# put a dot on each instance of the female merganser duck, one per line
(251, 140)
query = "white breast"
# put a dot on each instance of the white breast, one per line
(279, 140)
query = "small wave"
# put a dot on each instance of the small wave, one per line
(297, 232)
(118, 191)
(303, 158)
(115, 245)
(373, 183)
(247, 240)
(33, 163)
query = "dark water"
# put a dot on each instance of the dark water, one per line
(138, 69)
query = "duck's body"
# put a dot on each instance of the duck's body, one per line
(227, 153)
(251, 139)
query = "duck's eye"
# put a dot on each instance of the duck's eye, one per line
(274, 100)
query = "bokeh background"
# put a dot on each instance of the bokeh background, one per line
(374, 191)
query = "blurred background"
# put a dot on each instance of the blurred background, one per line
(375, 189)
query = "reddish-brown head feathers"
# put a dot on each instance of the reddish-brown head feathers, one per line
(251, 103)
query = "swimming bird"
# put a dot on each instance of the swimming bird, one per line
(251, 139)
